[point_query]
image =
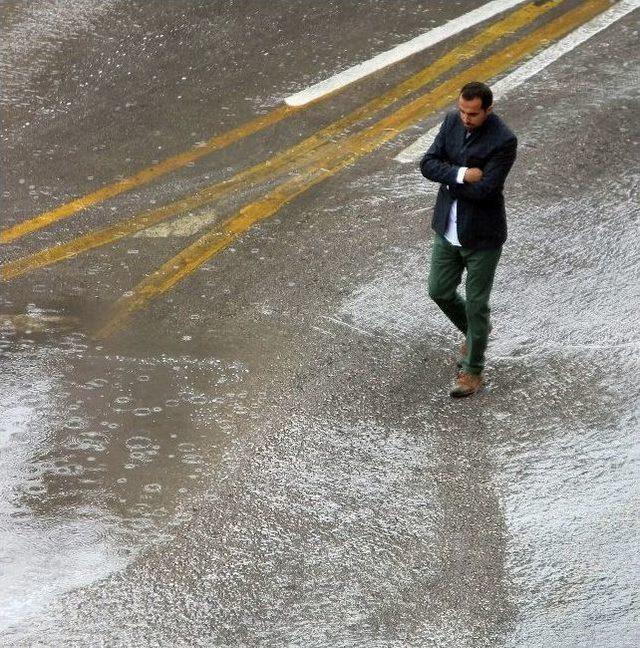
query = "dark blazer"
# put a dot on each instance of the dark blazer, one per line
(482, 220)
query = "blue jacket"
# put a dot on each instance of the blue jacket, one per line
(482, 220)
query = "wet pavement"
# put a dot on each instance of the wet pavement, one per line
(266, 454)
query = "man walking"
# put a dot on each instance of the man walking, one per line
(470, 158)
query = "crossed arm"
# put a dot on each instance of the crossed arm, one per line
(476, 184)
(492, 177)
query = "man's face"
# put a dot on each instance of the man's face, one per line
(472, 113)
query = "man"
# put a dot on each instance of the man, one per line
(470, 158)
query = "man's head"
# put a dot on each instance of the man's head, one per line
(475, 103)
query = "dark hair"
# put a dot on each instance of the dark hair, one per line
(478, 89)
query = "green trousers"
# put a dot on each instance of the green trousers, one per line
(470, 315)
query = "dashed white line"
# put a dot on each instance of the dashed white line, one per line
(414, 152)
(400, 52)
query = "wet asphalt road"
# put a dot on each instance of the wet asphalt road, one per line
(266, 455)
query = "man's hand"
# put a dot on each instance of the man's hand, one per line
(473, 175)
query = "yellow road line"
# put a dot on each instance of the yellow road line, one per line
(151, 173)
(350, 150)
(300, 154)
(146, 175)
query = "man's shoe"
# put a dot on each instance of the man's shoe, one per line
(466, 385)
(463, 355)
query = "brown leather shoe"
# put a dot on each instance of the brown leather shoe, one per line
(466, 384)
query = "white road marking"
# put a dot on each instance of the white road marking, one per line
(414, 152)
(183, 226)
(400, 52)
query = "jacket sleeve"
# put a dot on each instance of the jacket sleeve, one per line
(435, 164)
(494, 174)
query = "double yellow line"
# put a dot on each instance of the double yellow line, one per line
(341, 155)
(321, 156)
(218, 142)
(145, 175)
(294, 158)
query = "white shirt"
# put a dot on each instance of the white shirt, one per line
(451, 233)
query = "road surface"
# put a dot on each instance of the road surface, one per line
(225, 403)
